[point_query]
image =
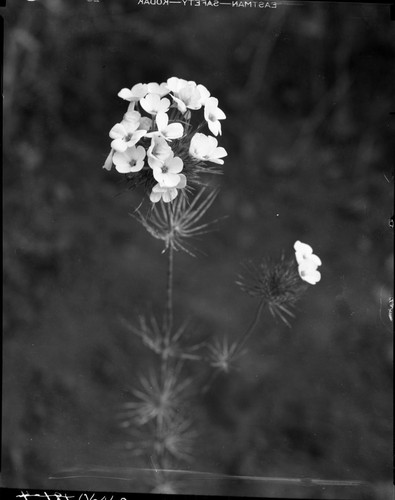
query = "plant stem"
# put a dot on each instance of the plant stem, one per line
(169, 295)
(160, 453)
(250, 329)
(239, 345)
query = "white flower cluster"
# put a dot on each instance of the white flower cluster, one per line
(307, 263)
(154, 138)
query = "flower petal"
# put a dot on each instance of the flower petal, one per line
(108, 163)
(119, 145)
(216, 160)
(183, 182)
(118, 131)
(314, 259)
(162, 120)
(137, 167)
(204, 94)
(155, 196)
(140, 153)
(173, 131)
(215, 127)
(164, 105)
(175, 84)
(125, 94)
(218, 153)
(311, 277)
(132, 117)
(302, 247)
(180, 104)
(139, 91)
(220, 114)
(158, 151)
(137, 135)
(174, 165)
(167, 180)
(155, 88)
(145, 123)
(123, 168)
(150, 103)
(169, 195)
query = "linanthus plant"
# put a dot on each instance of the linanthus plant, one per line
(165, 145)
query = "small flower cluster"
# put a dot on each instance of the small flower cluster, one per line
(156, 145)
(307, 263)
(277, 284)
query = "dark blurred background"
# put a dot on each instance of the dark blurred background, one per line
(307, 93)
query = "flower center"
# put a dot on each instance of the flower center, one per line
(132, 162)
(165, 169)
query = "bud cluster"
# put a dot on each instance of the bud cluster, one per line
(157, 145)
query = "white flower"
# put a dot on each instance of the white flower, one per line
(132, 160)
(213, 114)
(158, 151)
(307, 263)
(134, 94)
(188, 97)
(168, 132)
(167, 173)
(167, 194)
(175, 84)
(155, 88)
(153, 104)
(205, 148)
(125, 135)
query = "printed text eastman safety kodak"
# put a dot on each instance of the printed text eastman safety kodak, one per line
(211, 3)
